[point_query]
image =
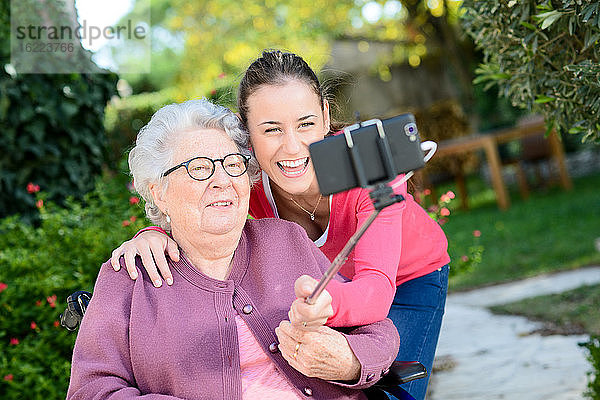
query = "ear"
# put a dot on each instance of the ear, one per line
(158, 196)
(326, 116)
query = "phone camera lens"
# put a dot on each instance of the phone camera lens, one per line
(410, 129)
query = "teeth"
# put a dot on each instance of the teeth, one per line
(293, 164)
(220, 203)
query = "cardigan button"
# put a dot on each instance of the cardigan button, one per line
(308, 391)
(247, 309)
(273, 347)
(385, 372)
(370, 377)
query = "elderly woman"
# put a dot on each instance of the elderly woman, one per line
(224, 324)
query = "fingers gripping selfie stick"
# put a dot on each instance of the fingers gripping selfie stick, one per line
(381, 196)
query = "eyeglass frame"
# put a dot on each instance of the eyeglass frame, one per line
(214, 164)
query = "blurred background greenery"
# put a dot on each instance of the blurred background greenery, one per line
(65, 199)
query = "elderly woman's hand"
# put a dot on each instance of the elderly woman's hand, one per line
(151, 247)
(323, 353)
(309, 316)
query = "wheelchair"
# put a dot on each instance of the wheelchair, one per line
(400, 372)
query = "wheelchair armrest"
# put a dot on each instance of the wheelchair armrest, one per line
(401, 372)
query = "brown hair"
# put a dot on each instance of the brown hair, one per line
(276, 67)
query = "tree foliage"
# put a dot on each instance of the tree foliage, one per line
(209, 44)
(223, 36)
(544, 56)
(52, 130)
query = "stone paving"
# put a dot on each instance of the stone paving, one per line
(496, 357)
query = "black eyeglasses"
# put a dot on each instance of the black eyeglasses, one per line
(202, 168)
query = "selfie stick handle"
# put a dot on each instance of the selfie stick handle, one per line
(382, 196)
(340, 259)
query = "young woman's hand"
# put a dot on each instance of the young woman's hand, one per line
(151, 246)
(305, 316)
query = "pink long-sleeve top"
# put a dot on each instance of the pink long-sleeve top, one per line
(403, 243)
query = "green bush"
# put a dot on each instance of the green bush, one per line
(52, 130)
(544, 56)
(593, 347)
(125, 116)
(40, 267)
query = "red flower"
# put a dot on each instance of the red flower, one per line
(426, 192)
(134, 200)
(33, 325)
(56, 324)
(3, 286)
(444, 212)
(39, 203)
(38, 303)
(222, 75)
(14, 341)
(464, 258)
(31, 188)
(213, 92)
(133, 218)
(8, 377)
(125, 223)
(477, 233)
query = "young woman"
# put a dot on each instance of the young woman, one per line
(398, 269)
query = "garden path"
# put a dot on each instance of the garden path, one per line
(485, 356)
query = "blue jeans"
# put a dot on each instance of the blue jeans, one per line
(417, 312)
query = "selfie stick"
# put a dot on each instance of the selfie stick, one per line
(381, 196)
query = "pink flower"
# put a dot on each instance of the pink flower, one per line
(39, 203)
(477, 233)
(426, 192)
(33, 325)
(31, 188)
(444, 212)
(51, 300)
(444, 198)
(442, 221)
(3, 286)
(133, 218)
(8, 377)
(222, 75)
(14, 341)
(125, 223)
(56, 324)
(450, 194)
(134, 200)
(464, 258)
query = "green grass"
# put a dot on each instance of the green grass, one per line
(551, 231)
(575, 311)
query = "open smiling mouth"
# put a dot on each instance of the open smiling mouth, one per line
(220, 204)
(293, 167)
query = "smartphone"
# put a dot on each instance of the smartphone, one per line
(334, 165)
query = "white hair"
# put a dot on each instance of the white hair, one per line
(152, 154)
